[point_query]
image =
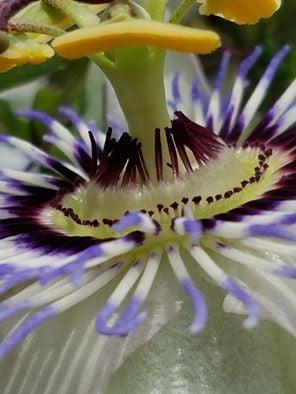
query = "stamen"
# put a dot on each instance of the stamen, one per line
(135, 32)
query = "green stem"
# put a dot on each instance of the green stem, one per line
(139, 85)
(156, 9)
(181, 11)
(137, 77)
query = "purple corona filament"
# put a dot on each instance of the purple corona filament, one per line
(177, 98)
(250, 108)
(222, 72)
(7, 311)
(129, 220)
(127, 322)
(199, 304)
(274, 230)
(193, 228)
(286, 271)
(25, 329)
(253, 307)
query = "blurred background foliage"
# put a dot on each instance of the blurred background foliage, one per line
(80, 85)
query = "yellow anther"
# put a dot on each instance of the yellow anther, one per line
(84, 42)
(241, 12)
(23, 50)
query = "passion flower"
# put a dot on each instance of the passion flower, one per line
(216, 191)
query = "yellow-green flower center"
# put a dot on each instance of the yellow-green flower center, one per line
(235, 177)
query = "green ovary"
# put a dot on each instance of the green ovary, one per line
(90, 201)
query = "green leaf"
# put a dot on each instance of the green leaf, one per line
(10, 123)
(95, 96)
(24, 74)
(71, 81)
(47, 100)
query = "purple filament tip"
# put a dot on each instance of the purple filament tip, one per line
(193, 228)
(74, 267)
(248, 63)
(288, 272)
(7, 311)
(275, 231)
(129, 320)
(195, 90)
(25, 329)
(36, 115)
(71, 115)
(288, 219)
(275, 62)
(6, 269)
(199, 305)
(176, 88)
(130, 220)
(251, 304)
(18, 278)
(219, 81)
(103, 318)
